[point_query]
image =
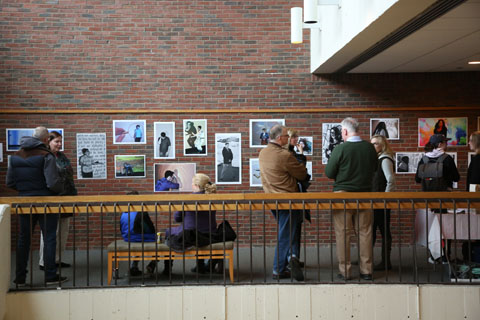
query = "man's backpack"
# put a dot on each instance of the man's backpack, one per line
(431, 173)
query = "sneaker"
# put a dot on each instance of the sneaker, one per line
(296, 269)
(366, 276)
(56, 279)
(342, 277)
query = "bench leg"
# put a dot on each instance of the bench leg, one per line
(230, 265)
(110, 267)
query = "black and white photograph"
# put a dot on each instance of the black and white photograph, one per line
(195, 137)
(260, 131)
(407, 162)
(306, 144)
(14, 136)
(228, 158)
(130, 166)
(389, 128)
(255, 179)
(173, 177)
(310, 169)
(91, 156)
(129, 132)
(331, 137)
(164, 140)
(1, 152)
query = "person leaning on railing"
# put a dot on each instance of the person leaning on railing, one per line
(383, 181)
(352, 165)
(32, 171)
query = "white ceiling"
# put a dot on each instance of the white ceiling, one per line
(443, 45)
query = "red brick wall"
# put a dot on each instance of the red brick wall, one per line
(196, 55)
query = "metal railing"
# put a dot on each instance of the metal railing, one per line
(420, 225)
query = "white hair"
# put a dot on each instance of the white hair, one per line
(351, 124)
(41, 133)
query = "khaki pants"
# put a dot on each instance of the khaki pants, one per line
(344, 223)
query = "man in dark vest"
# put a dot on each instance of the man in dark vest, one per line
(32, 171)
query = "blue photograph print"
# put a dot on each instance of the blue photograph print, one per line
(14, 136)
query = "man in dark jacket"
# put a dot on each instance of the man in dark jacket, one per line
(32, 171)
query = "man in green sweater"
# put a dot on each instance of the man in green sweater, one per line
(352, 165)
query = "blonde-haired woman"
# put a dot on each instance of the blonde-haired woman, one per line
(202, 221)
(383, 181)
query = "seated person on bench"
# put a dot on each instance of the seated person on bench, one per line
(206, 222)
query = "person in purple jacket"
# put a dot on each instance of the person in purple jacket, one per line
(202, 221)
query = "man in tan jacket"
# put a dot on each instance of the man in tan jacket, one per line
(280, 172)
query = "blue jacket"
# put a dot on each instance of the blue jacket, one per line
(32, 170)
(165, 185)
(148, 235)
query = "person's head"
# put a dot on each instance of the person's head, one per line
(168, 175)
(474, 142)
(163, 135)
(335, 134)
(85, 151)
(199, 128)
(292, 137)
(405, 159)
(304, 144)
(138, 126)
(264, 129)
(227, 145)
(279, 134)
(436, 141)
(41, 133)
(55, 141)
(349, 128)
(189, 124)
(201, 183)
(381, 144)
(440, 124)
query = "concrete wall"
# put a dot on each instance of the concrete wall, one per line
(4, 256)
(251, 302)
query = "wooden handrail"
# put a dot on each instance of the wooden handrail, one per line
(241, 201)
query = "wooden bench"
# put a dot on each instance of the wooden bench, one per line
(154, 251)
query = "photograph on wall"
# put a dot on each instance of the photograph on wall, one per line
(454, 156)
(255, 179)
(175, 177)
(228, 158)
(1, 152)
(331, 137)
(310, 169)
(195, 137)
(407, 162)
(130, 166)
(91, 156)
(306, 144)
(389, 128)
(129, 132)
(260, 131)
(14, 136)
(454, 129)
(59, 131)
(164, 140)
(470, 157)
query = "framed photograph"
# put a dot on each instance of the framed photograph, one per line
(228, 158)
(260, 131)
(389, 128)
(255, 179)
(91, 156)
(307, 144)
(331, 137)
(407, 162)
(1, 152)
(129, 132)
(60, 131)
(470, 157)
(454, 156)
(310, 169)
(164, 140)
(130, 166)
(176, 177)
(14, 136)
(453, 128)
(195, 137)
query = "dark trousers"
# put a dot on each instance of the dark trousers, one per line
(48, 225)
(288, 239)
(381, 220)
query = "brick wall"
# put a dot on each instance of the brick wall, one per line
(198, 56)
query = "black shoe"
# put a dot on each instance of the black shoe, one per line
(63, 265)
(381, 266)
(20, 282)
(135, 272)
(151, 267)
(296, 269)
(342, 277)
(41, 267)
(367, 276)
(282, 275)
(302, 264)
(56, 279)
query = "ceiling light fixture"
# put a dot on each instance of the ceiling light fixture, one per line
(473, 62)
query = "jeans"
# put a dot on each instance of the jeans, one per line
(288, 241)
(48, 224)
